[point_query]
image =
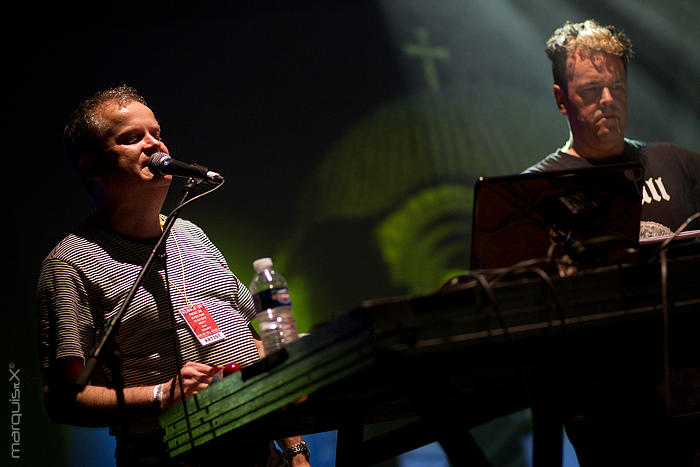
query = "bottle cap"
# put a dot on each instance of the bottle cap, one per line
(259, 265)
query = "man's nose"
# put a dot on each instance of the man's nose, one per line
(150, 142)
(606, 96)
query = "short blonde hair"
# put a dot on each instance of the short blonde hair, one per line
(585, 36)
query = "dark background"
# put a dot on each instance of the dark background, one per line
(347, 159)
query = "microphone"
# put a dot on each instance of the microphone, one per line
(162, 164)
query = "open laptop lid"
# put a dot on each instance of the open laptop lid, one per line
(591, 214)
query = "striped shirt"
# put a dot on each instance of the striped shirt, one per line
(87, 276)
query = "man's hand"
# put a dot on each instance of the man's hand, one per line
(195, 378)
(300, 461)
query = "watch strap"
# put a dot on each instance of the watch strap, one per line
(299, 448)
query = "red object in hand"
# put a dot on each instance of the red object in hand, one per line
(231, 368)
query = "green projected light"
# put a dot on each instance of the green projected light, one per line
(406, 172)
(427, 139)
(426, 240)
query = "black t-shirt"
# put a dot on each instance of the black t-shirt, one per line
(625, 423)
(671, 189)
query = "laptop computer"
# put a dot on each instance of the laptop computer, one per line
(590, 216)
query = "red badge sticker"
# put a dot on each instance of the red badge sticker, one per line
(202, 324)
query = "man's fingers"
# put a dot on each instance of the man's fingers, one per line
(195, 378)
(195, 388)
(198, 375)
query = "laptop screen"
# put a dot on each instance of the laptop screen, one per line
(591, 215)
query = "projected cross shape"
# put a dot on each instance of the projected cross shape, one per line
(428, 54)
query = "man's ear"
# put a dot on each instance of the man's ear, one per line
(90, 165)
(561, 98)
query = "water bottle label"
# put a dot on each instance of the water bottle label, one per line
(272, 298)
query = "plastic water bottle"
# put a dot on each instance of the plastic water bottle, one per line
(274, 307)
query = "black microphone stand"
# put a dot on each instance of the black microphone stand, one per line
(107, 348)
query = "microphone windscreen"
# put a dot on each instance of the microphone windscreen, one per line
(156, 160)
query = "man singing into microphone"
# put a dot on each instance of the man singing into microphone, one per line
(83, 281)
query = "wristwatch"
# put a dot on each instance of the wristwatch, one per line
(299, 448)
